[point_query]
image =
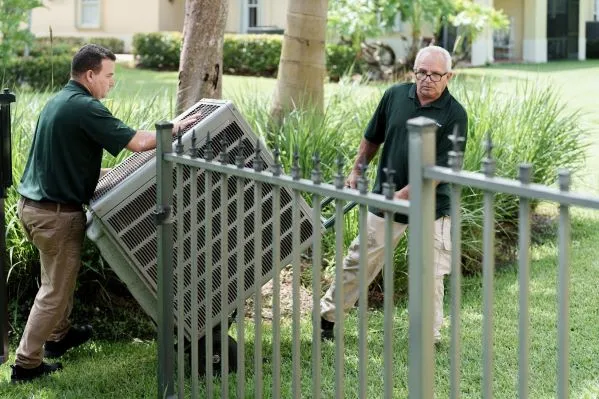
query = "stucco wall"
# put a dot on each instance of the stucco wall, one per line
(171, 15)
(119, 19)
(514, 9)
(233, 18)
(275, 13)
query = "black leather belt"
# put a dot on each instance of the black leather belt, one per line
(52, 206)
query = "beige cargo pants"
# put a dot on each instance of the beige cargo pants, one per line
(375, 250)
(58, 236)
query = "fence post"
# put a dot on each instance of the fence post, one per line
(6, 98)
(420, 246)
(164, 237)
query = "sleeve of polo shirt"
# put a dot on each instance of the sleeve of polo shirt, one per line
(444, 144)
(375, 131)
(102, 127)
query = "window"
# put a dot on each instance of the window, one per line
(89, 13)
(252, 13)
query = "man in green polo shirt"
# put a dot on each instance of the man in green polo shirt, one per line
(428, 97)
(60, 176)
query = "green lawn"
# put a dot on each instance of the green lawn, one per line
(126, 369)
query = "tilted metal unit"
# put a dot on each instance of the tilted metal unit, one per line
(122, 224)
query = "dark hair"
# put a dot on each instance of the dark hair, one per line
(89, 57)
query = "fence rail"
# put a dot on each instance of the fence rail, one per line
(225, 183)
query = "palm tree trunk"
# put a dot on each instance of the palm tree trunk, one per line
(302, 67)
(200, 68)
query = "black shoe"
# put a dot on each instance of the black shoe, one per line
(20, 374)
(74, 337)
(327, 330)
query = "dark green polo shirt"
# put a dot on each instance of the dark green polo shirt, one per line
(389, 126)
(66, 153)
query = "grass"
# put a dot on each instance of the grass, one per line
(108, 369)
(127, 369)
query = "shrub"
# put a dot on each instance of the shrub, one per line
(158, 50)
(530, 126)
(113, 44)
(255, 55)
(68, 45)
(342, 60)
(251, 55)
(39, 72)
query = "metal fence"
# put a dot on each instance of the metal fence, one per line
(177, 378)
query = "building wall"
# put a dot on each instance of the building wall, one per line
(275, 13)
(119, 19)
(171, 15)
(233, 24)
(534, 41)
(514, 9)
(270, 13)
(587, 13)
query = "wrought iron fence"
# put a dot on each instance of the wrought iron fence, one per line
(224, 181)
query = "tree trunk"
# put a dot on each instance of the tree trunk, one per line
(201, 65)
(302, 67)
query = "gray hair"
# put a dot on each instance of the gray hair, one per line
(438, 50)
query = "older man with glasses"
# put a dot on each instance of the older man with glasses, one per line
(428, 97)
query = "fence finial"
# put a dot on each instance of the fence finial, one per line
(340, 176)
(564, 179)
(208, 153)
(179, 147)
(389, 185)
(525, 173)
(456, 155)
(240, 157)
(295, 169)
(488, 161)
(193, 150)
(363, 180)
(316, 172)
(224, 155)
(257, 158)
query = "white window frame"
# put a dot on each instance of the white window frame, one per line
(80, 7)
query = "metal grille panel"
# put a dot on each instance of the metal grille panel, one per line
(135, 161)
(130, 220)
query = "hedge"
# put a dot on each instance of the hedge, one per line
(158, 50)
(39, 73)
(255, 55)
(70, 44)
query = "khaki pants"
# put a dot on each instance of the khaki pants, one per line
(375, 251)
(58, 236)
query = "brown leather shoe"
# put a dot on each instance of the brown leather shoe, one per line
(21, 374)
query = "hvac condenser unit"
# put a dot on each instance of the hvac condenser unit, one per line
(122, 223)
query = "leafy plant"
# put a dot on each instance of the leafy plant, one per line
(13, 16)
(38, 73)
(356, 21)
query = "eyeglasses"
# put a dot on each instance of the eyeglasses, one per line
(434, 76)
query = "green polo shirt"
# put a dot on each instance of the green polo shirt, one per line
(389, 126)
(66, 153)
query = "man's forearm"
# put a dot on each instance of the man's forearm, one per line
(366, 152)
